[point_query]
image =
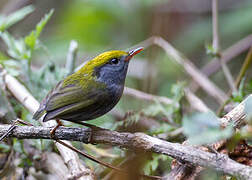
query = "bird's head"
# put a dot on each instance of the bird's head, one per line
(110, 66)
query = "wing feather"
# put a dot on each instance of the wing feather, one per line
(67, 99)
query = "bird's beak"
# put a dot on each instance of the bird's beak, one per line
(133, 53)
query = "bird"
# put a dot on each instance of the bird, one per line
(90, 92)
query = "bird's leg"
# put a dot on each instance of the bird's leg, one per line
(52, 132)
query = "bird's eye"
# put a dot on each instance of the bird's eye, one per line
(114, 61)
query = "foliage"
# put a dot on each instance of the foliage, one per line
(31, 40)
(152, 164)
(21, 49)
(4, 148)
(204, 128)
(157, 110)
(8, 21)
(19, 58)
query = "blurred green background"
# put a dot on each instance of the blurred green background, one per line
(113, 24)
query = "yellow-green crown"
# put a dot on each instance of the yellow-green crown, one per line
(101, 60)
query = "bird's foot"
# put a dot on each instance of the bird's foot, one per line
(52, 132)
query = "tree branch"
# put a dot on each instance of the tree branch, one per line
(138, 142)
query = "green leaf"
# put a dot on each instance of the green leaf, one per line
(210, 50)
(239, 96)
(25, 162)
(178, 91)
(17, 145)
(12, 67)
(32, 38)
(164, 128)
(204, 128)
(43, 22)
(4, 147)
(152, 164)
(16, 47)
(7, 21)
(3, 57)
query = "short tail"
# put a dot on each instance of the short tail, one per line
(38, 114)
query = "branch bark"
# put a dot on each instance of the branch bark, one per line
(137, 142)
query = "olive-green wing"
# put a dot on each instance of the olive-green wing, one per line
(69, 98)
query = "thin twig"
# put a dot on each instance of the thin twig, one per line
(145, 96)
(242, 72)
(195, 102)
(228, 76)
(228, 54)
(13, 125)
(71, 57)
(216, 46)
(244, 68)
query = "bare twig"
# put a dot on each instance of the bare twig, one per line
(242, 72)
(145, 96)
(228, 54)
(244, 68)
(71, 57)
(228, 76)
(216, 46)
(8, 131)
(195, 102)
